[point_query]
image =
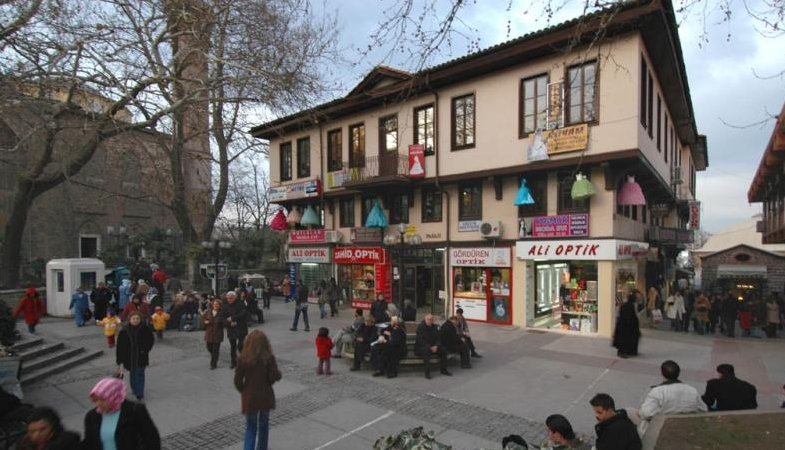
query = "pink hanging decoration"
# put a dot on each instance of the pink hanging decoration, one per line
(279, 221)
(631, 193)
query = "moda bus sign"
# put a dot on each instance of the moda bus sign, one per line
(480, 257)
(581, 249)
(359, 255)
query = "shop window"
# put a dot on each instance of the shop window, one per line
(643, 213)
(357, 145)
(470, 282)
(286, 161)
(399, 209)
(650, 105)
(566, 296)
(334, 150)
(346, 206)
(463, 122)
(59, 280)
(659, 126)
(367, 204)
(538, 185)
(423, 127)
(566, 204)
(431, 205)
(470, 201)
(634, 213)
(581, 87)
(388, 134)
(644, 103)
(534, 104)
(303, 158)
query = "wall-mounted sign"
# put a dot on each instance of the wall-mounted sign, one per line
(555, 116)
(363, 235)
(311, 188)
(416, 161)
(430, 236)
(308, 255)
(582, 249)
(567, 139)
(695, 215)
(563, 225)
(480, 257)
(306, 236)
(465, 226)
(359, 255)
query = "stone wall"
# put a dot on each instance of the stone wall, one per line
(11, 297)
(775, 273)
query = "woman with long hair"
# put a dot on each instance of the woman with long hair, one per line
(254, 377)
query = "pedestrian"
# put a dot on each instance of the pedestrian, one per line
(134, 343)
(702, 311)
(332, 296)
(301, 306)
(561, 435)
(101, 298)
(256, 373)
(31, 307)
(772, 316)
(675, 310)
(730, 308)
(728, 393)
(154, 299)
(117, 423)
(267, 292)
(45, 432)
(379, 309)
(347, 334)
(672, 396)
(235, 319)
(125, 291)
(252, 304)
(452, 342)
(715, 313)
(158, 279)
(286, 289)
(689, 307)
(189, 311)
(746, 315)
(159, 320)
(463, 332)
(652, 302)
(110, 324)
(628, 332)
(427, 344)
(409, 311)
(324, 346)
(392, 350)
(81, 306)
(213, 331)
(136, 304)
(321, 294)
(615, 431)
(366, 335)
(142, 287)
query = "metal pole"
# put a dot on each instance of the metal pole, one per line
(400, 276)
(215, 268)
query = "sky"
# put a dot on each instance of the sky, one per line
(727, 63)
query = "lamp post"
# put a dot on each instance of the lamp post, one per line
(216, 245)
(401, 240)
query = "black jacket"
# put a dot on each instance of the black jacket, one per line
(427, 337)
(396, 343)
(134, 345)
(617, 433)
(135, 429)
(449, 338)
(66, 440)
(409, 314)
(235, 312)
(302, 295)
(367, 333)
(379, 311)
(730, 394)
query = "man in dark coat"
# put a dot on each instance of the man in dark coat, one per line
(101, 297)
(364, 337)
(301, 306)
(427, 344)
(235, 320)
(392, 350)
(728, 393)
(615, 431)
(628, 331)
(379, 309)
(452, 341)
(730, 309)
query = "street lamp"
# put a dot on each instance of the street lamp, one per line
(216, 245)
(400, 240)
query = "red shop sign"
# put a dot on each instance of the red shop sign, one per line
(359, 255)
(306, 236)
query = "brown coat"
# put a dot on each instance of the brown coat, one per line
(213, 328)
(255, 384)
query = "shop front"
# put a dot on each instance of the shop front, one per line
(482, 283)
(363, 273)
(309, 257)
(575, 285)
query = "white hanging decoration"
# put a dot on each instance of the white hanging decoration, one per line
(417, 168)
(538, 149)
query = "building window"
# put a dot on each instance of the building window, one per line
(399, 209)
(644, 103)
(347, 212)
(365, 208)
(303, 158)
(463, 122)
(582, 81)
(538, 186)
(659, 126)
(566, 204)
(643, 213)
(534, 104)
(388, 134)
(431, 205)
(470, 201)
(89, 245)
(357, 145)
(286, 161)
(423, 127)
(650, 87)
(334, 150)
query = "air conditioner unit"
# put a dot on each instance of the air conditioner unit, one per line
(332, 236)
(491, 230)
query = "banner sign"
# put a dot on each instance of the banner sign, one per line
(469, 225)
(306, 236)
(366, 235)
(481, 257)
(695, 215)
(582, 249)
(416, 161)
(567, 139)
(563, 225)
(359, 255)
(294, 191)
(308, 255)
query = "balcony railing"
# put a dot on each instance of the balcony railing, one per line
(378, 168)
(672, 236)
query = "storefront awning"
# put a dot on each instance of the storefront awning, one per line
(738, 270)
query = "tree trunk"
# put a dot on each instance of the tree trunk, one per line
(14, 233)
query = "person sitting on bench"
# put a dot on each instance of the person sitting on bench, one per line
(463, 332)
(392, 350)
(427, 344)
(365, 336)
(347, 333)
(452, 341)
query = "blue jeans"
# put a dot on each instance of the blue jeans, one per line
(304, 311)
(322, 311)
(257, 430)
(136, 379)
(79, 316)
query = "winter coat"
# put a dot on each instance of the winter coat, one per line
(31, 307)
(409, 313)
(396, 342)
(772, 312)
(379, 311)
(730, 394)
(133, 346)
(101, 297)
(671, 398)
(131, 307)
(135, 429)
(255, 383)
(79, 301)
(323, 346)
(365, 335)
(302, 296)
(448, 335)
(427, 337)
(702, 308)
(159, 320)
(235, 312)
(617, 433)
(628, 331)
(652, 301)
(324, 295)
(675, 307)
(213, 327)
(110, 325)
(125, 292)
(286, 288)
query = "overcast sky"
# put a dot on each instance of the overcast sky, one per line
(721, 71)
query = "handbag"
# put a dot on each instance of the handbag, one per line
(87, 315)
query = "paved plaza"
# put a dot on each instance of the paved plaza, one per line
(523, 377)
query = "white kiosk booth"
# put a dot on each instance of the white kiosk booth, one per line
(64, 276)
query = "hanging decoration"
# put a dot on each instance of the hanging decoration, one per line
(279, 221)
(524, 196)
(538, 149)
(294, 216)
(310, 218)
(376, 217)
(631, 193)
(582, 188)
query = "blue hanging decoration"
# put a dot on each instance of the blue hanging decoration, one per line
(524, 196)
(376, 217)
(310, 218)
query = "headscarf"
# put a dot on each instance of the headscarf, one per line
(112, 390)
(31, 292)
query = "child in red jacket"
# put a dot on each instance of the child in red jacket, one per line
(324, 345)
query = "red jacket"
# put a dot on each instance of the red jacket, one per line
(323, 346)
(131, 307)
(31, 306)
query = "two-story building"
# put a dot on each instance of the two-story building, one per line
(444, 152)
(768, 185)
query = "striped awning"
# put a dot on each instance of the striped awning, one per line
(741, 271)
